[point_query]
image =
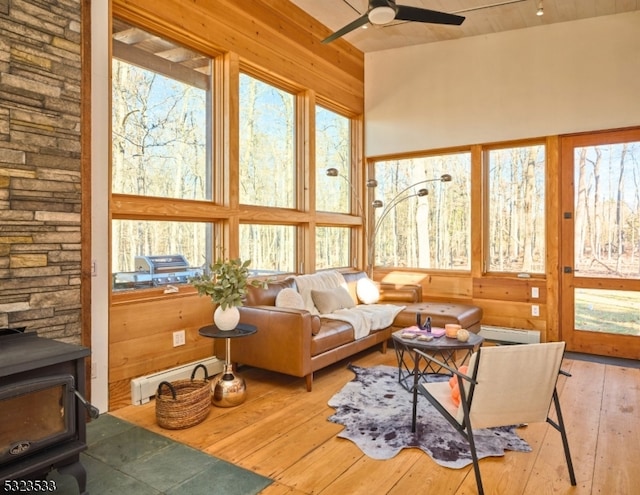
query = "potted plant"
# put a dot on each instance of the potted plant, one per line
(225, 282)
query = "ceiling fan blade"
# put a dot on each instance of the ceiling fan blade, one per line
(405, 13)
(360, 21)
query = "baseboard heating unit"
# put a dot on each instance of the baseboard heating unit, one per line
(509, 335)
(144, 387)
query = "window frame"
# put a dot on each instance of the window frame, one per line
(372, 218)
(486, 198)
(223, 210)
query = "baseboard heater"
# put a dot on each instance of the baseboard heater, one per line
(144, 387)
(509, 335)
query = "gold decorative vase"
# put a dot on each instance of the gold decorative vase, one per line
(229, 390)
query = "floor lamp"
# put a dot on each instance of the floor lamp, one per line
(371, 183)
(395, 201)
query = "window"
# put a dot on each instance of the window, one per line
(150, 253)
(516, 215)
(161, 142)
(160, 130)
(423, 220)
(333, 151)
(335, 189)
(271, 248)
(607, 210)
(332, 247)
(267, 145)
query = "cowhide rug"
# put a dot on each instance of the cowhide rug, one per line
(376, 413)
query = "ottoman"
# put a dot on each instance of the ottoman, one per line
(465, 315)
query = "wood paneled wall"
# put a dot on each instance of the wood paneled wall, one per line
(274, 36)
(505, 301)
(141, 338)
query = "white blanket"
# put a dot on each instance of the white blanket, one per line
(363, 317)
(366, 317)
(317, 281)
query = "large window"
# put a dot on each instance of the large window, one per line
(333, 155)
(160, 130)
(161, 142)
(167, 203)
(267, 144)
(516, 241)
(335, 188)
(422, 219)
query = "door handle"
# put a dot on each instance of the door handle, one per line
(567, 269)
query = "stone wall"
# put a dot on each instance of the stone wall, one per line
(40, 187)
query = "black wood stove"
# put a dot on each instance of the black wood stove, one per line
(42, 411)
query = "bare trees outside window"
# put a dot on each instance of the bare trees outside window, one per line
(516, 215)
(267, 144)
(271, 248)
(332, 247)
(423, 231)
(333, 150)
(334, 193)
(160, 131)
(607, 210)
(161, 143)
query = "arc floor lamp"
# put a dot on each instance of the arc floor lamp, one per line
(370, 235)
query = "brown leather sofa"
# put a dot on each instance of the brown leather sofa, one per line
(296, 342)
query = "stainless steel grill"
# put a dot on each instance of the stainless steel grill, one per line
(154, 271)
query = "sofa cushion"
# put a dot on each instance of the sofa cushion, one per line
(289, 298)
(367, 290)
(319, 281)
(329, 300)
(333, 334)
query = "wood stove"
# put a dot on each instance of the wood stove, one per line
(42, 411)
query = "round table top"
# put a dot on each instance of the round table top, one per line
(242, 330)
(439, 343)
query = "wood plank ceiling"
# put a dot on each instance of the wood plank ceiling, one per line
(482, 17)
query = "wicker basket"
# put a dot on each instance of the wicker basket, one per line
(183, 403)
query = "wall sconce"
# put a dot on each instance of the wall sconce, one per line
(540, 11)
(395, 201)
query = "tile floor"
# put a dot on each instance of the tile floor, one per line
(125, 459)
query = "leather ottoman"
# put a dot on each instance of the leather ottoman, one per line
(465, 315)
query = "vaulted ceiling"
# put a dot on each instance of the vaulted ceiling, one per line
(481, 17)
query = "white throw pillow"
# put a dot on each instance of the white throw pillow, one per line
(289, 298)
(367, 290)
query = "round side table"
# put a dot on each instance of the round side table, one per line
(228, 388)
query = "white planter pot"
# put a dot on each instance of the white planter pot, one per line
(227, 319)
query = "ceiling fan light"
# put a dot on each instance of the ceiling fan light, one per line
(381, 15)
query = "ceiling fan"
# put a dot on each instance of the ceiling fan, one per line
(382, 12)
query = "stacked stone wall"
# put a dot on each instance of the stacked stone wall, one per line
(40, 166)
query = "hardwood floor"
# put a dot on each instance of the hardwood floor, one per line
(282, 432)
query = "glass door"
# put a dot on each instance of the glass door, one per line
(600, 243)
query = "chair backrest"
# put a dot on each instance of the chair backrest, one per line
(515, 383)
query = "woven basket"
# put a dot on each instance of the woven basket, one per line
(183, 403)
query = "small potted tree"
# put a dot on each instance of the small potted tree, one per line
(225, 282)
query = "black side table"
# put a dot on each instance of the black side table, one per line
(409, 368)
(228, 388)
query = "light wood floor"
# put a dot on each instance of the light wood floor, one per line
(282, 432)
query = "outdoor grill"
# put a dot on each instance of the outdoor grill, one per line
(154, 271)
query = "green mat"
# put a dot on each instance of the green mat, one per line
(125, 459)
